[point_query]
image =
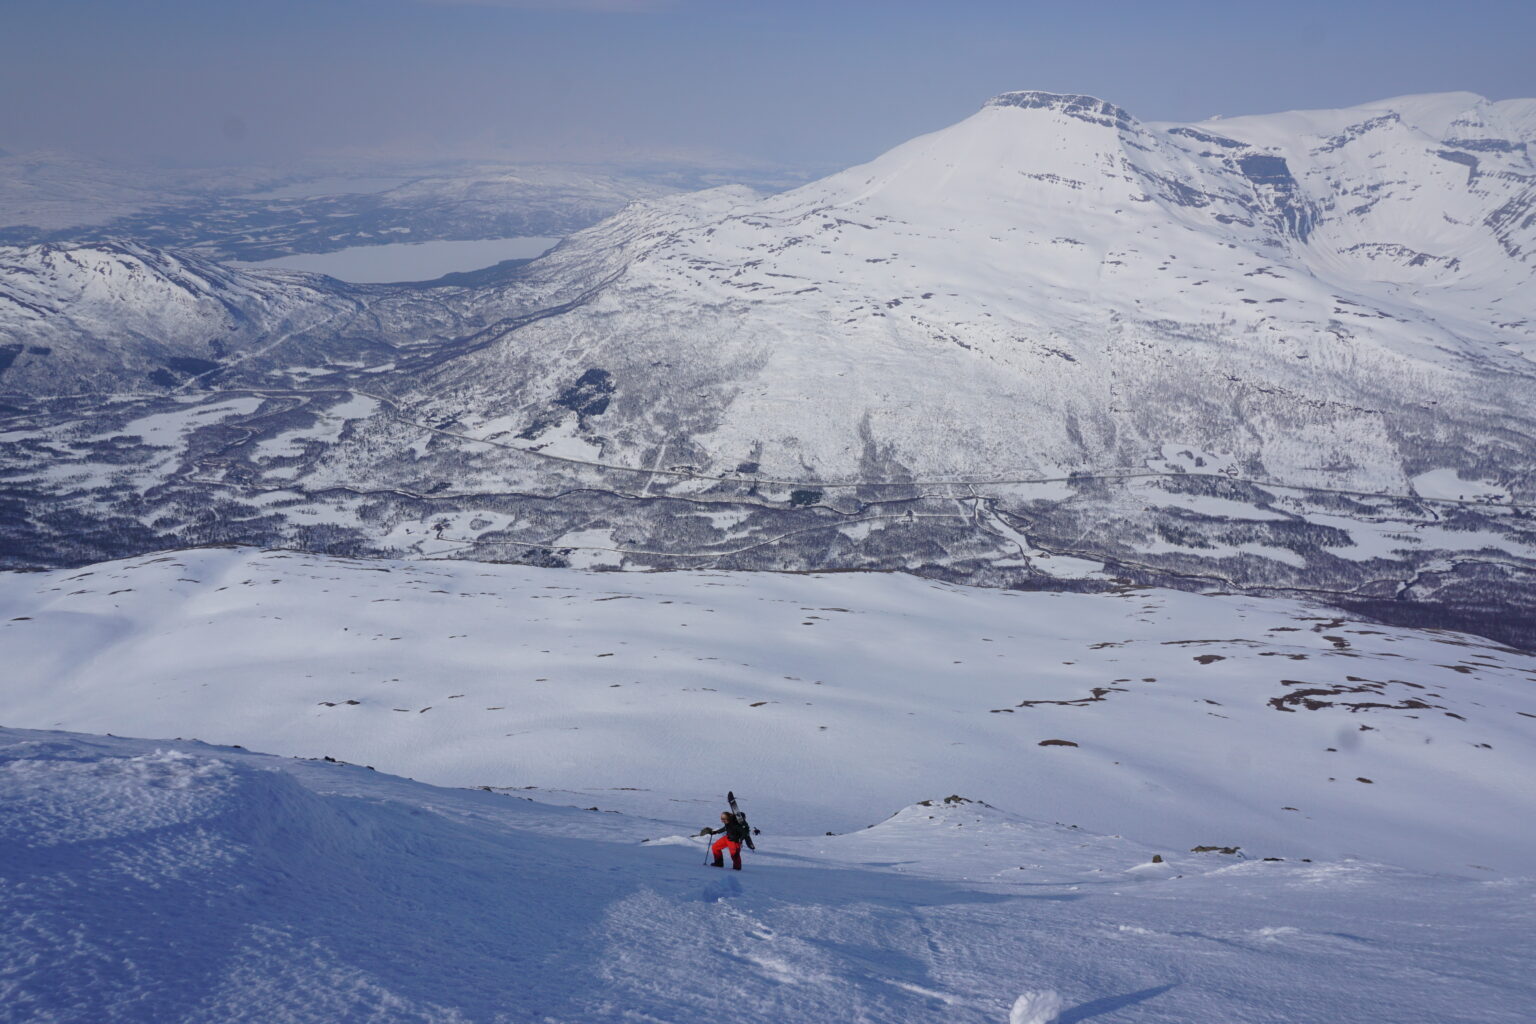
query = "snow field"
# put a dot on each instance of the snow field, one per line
(1180, 719)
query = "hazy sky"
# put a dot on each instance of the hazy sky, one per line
(808, 84)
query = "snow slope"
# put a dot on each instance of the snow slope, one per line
(173, 882)
(1192, 720)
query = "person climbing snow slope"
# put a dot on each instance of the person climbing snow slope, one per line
(735, 833)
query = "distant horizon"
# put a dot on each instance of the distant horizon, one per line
(659, 161)
(797, 84)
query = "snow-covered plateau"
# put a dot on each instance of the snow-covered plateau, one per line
(1049, 346)
(1178, 719)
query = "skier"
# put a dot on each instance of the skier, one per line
(736, 832)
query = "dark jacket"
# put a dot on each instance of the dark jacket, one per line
(734, 830)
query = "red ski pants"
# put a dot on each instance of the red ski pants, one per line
(723, 844)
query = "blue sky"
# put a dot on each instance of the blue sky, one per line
(814, 85)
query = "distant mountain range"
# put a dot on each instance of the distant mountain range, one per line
(260, 213)
(1049, 346)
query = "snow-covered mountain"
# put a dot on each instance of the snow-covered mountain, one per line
(1049, 345)
(1051, 286)
(170, 881)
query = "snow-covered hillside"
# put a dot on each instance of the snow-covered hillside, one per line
(171, 882)
(125, 317)
(1178, 719)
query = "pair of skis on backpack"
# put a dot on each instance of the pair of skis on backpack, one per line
(741, 819)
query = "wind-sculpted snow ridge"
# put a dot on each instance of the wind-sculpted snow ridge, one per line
(1051, 345)
(170, 881)
(1182, 719)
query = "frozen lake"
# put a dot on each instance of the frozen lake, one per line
(410, 261)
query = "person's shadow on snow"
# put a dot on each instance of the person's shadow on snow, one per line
(1108, 1004)
(721, 889)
